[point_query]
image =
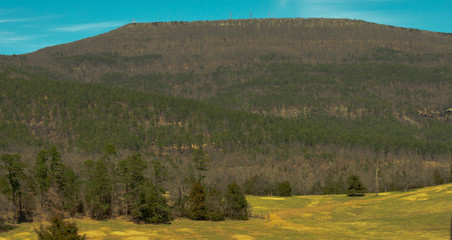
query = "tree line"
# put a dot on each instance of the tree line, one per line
(151, 187)
(111, 187)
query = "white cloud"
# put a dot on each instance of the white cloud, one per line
(89, 27)
(13, 20)
(8, 40)
(283, 3)
(12, 38)
(369, 10)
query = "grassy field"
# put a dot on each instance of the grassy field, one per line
(418, 214)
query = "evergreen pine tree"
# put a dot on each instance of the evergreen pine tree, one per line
(197, 209)
(70, 190)
(56, 167)
(97, 189)
(111, 158)
(215, 205)
(161, 173)
(355, 186)
(41, 175)
(152, 206)
(284, 189)
(13, 169)
(131, 172)
(236, 204)
(50, 180)
(201, 161)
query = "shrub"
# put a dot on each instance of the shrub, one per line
(355, 187)
(59, 230)
(284, 189)
(153, 206)
(437, 177)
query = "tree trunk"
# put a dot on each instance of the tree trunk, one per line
(126, 201)
(376, 179)
(42, 201)
(15, 208)
(115, 202)
(20, 207)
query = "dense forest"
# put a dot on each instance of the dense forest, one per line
(112, 187)
(275, 104)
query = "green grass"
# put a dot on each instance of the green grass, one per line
(419, 214)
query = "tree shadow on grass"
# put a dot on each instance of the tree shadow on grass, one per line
(6, 227)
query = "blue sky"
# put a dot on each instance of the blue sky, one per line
(26, 26)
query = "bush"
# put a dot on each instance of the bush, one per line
(355, 187)
(437, 177)
(215, 205)
(284, 189)
(153, 206)
(59, 230)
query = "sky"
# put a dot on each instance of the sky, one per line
(26, 26)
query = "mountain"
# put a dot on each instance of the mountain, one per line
(204, 46)
(332, 95)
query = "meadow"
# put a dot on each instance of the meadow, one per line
(417, 214)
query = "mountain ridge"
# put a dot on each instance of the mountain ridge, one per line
(205, 46)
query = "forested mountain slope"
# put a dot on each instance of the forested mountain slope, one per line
(284, 67)
(89, 115)
(272, 98)
(204, 46)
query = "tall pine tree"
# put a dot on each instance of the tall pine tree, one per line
(97, 189)
(236, 204)
(197, 209)
(13, 170)
(132, 170)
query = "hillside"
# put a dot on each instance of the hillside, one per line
(204, 46)
(273, 99)
(283, 67)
